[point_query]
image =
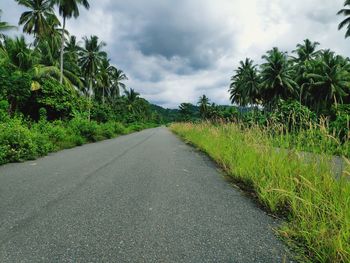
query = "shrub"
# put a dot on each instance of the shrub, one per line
(16, 142)
(119, 128)
(85, 128)
(292, 115)
(4, 106)
(341, 123)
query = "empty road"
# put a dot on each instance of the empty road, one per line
(144, 197)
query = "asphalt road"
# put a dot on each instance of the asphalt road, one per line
(145, 197)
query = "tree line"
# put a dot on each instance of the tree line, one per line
(317, 78)
(62, 74)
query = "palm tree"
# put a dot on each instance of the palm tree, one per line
(116, 83)
(38, 19)
(68, 9)
(104, 78)
(71, 56)
(329, 80)
(19, 55)
(4, 26)
(306, 51)
(245, 84)
(90, 59)
(72, 48)
(203, 104)
(346, 22)
(49, 46)
(277, 77)
(131, 97)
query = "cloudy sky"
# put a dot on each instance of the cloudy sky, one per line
(175, 51)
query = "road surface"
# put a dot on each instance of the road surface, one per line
(145, 197)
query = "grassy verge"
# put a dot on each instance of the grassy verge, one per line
(315, 205)
(21, 140)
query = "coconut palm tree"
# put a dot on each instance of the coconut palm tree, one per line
(68, 9)
(277, 78)
(204, 105)
(91, 56)
(116, 83)
(38, 19)
(131, 98)
(4, 26)
(104, 78)
(71, 56)
(346, 22)
(329, 80)
(306, 51)
(245, 84)
(72, 48)
(19, 54)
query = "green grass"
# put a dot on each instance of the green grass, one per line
(315, 205)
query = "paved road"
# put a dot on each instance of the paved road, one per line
(145, 197)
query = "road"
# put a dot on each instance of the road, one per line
(145, 197)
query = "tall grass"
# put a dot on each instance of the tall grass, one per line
(315, 205)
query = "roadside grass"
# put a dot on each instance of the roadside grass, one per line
(315, 205)
(22, 140)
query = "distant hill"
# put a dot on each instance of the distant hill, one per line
(166, 115)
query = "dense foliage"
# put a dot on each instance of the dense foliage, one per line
(58, 92)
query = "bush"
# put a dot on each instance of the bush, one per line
(4, 106)
(293, 115)
(119, 128)
(23, 140)
(16, 142)
(341, 123)
(85, 128)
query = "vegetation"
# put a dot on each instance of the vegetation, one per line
(57, 92)
(303, 190)
(287, 106)
(318, 79)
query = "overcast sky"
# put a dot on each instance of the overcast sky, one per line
(173, 51)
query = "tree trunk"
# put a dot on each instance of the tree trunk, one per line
(90, 91)
(62, 49)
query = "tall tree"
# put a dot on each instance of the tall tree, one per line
(329, 80)
(104, 78)
(118, 76)
(204, 105)
(277, 77)
(19, 54)
(245, 84)
(91, 56)
(36, 20)
(346, 22)
(68, 9)
(131, 98)
(306, 51)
